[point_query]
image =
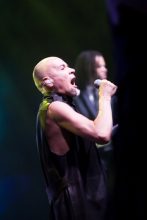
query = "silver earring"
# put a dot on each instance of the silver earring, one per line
(47, 82)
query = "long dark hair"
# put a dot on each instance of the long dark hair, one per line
(85, 67)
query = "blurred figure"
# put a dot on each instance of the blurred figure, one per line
(90, 65)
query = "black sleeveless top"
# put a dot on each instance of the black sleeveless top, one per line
(75, 182)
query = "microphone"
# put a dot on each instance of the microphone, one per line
(97, 83)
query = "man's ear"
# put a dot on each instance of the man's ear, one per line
(47, 82)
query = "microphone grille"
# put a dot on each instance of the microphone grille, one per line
(97, 83)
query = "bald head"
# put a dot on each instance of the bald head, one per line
(44, 70)
(54, 74)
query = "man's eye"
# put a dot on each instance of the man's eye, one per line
(62, 67)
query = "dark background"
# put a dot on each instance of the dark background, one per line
(29, 31)
(33, 29)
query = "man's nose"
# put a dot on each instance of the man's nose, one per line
(72, 71)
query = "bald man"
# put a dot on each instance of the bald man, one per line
(75, 181)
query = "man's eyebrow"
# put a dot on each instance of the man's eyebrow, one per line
(63, 65)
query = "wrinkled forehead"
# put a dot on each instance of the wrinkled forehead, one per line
(55, 62)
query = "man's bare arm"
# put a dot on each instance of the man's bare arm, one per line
(99, 130)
